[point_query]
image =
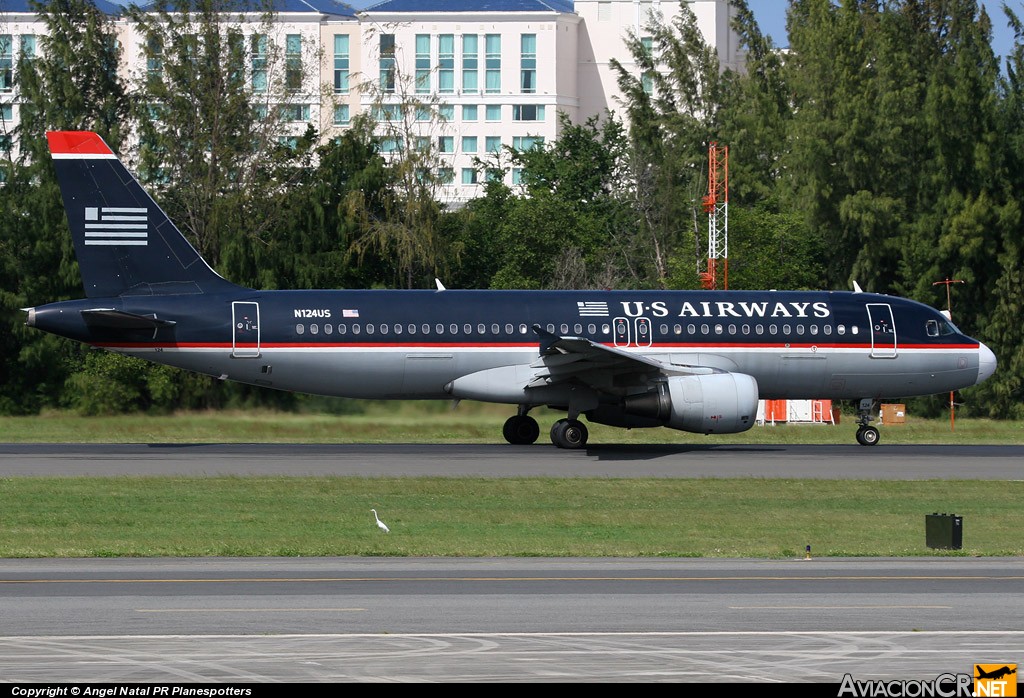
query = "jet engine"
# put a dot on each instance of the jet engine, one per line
(716, 403)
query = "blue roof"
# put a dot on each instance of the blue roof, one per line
(325, 7)
(109, 8)
(472, 6)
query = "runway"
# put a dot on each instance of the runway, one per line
(883, 462)
(498, 620)
(505, 620)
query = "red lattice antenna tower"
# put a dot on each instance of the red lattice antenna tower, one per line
(716, 205)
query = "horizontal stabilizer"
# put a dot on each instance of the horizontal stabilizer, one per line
(120, 320)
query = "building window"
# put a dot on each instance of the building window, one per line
(470, 112)
(341, 63)
(290, 142)
(446, 63)
(258, 46)
(6, 113)
(492, 62)
(470, 63)
(6, 63)
(446, 112)
(154, 59)
(469, 175)
(423, 114)
(295, 112)
(422, 63)
(647, 79)
(517, 175)
(469, 144)
(387, 62)
(293, 62)
(493, 112)
(493, 174)
(528, 63)
(446, 144)
(389, 145)
(527, 142)
(28, 46)
(493, 144)
(388, 112)
(528, 112)
(422, 144)
(342, 116)
(445, 175)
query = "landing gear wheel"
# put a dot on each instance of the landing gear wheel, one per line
(867, 436)
(569, 433)
(521, 430)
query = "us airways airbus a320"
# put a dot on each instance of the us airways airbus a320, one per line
(697, 361)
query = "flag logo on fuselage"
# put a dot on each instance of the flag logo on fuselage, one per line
(592, 308)
(112, 225)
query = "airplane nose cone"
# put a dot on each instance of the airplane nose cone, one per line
(986, 363)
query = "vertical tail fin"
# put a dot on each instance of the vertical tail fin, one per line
(125, 244)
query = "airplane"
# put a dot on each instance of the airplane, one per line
(695, 361)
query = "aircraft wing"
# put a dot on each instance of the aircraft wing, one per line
(577, 358)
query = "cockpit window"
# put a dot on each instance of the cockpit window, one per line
(940, 328)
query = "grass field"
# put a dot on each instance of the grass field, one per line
(439, 422)
(161, 516)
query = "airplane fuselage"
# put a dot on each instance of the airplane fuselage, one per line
(413, 344)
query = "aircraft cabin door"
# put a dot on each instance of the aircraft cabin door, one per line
(245, 332)
(620, 326)
(883, 331)
(643, 333)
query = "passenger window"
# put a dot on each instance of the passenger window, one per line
(369, 328)
(746, 329)
(384, 329)
(300, 329)
(759, 329)
(425, 328)
(691, 328)
(481, 328)
(565, 328)
(509, 329)
(853, 329)
(787, 329)
(773, 329)
(814, 329)
(412, 329)
(523, 329)
(664, 329)
(677, 329)
(732, 329)
(342, 329)
(398, 329)
(704, 329)
(328, 329)
(454, 329)
(495, 329)
(718, 329)
(355, 329)
(314, 329)
(592, 328)
(578, 328)
(827, 329)
(551, 328)
(606, 328)
(800, 329)
(841, 329)
(467, 328)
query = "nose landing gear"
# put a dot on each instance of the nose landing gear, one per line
(867, 435)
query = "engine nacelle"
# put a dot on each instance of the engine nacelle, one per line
(718, 403)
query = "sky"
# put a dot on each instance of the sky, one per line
(771, 17)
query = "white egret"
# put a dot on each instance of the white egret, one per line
(380, 524)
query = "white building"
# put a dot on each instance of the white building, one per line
(493, 73)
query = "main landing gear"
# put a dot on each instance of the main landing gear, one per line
(867, 435)
(522, 430)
